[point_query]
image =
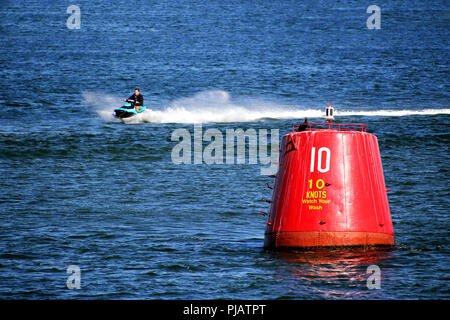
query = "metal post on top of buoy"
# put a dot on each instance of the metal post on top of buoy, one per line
(329, 115)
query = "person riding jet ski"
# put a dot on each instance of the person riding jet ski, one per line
(134, 106)
(136, 100)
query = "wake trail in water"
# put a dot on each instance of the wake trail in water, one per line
(217, 106)
(103, 104)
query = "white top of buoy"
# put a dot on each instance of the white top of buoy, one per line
(329, 113)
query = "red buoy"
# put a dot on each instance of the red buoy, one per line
(329, 190)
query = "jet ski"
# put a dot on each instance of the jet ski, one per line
(127, 110)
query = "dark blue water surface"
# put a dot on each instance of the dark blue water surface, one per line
(81, 188)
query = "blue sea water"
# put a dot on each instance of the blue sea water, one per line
(79, 187)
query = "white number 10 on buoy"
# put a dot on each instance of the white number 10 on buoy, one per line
(320, 168)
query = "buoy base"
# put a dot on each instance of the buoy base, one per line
(319, 239)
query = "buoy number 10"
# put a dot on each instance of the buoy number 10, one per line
(319, 184)
(321, 159)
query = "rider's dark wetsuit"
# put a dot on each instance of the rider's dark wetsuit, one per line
(138, 100)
